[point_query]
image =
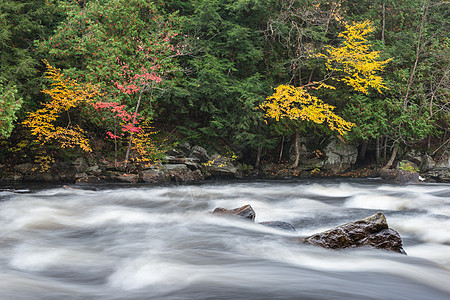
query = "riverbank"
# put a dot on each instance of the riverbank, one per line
(189, 163)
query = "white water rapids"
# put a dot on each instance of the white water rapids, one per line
(161, 242)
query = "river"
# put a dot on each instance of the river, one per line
(161, 242)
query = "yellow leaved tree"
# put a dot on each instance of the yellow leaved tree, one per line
(296, 103)
(355, 60)
(353, 63)
(65, 94)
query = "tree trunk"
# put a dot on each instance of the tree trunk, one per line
(281, 150)
(418, 49)
(297, 151)
(377, 155)
(115, 142)
(385, 148)
(258, 157)
(383, 26)
(391, 160)
(362, 153)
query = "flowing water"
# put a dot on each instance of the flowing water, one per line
(161, 242)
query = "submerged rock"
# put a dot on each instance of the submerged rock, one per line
(245, 212)
(372, 231)
(279, 225)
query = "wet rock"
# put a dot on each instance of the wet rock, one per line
(154, 176)
(340, 156)
(427, 163)
(174, 167)
(372, 231)
(131, 178)
(89, 180)
(175, 153)
(221, 166)
(311, 164)
(185, 175)
(199, 153)
(245, 212)
(27, 168)
(439, 175)
(94, 170)
(38, 176)
(185, 147)
(80, 164)
(400, 176)
(279, 225)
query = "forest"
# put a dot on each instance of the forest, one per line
(125, 81)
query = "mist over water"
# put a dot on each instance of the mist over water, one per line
(161, 242)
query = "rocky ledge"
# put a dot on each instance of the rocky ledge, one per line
(184, 164)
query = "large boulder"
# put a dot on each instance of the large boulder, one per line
(181, 173)
(26, 168)
(221, 166)
(245, 212)
(400, 176)
(372, 231)
(154, 176)
(426, 163)
(199, 153)
(441, 170)
(340, 156)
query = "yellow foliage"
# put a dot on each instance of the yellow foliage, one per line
(147, 150)
(65, 94)
(356, 60)
(296, 103)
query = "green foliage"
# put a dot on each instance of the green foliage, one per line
(406, 166)
(22, 22)
(9, 105)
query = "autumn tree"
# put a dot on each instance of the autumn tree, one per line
(354, 63)
(127, 48)
(295, 103)
(65, 94)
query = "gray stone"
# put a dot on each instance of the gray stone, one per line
(154, 176)
(221, 166)
(174, 167)
(340, 156)
(245, 212)
(26, 168)
(427, 163)
(131, 178)
(372, 231)
(443, 163)
(311, 164)
(400, 176)
(200, 153)
(439, 175)
(175, 153)
(80, 164)
(185, 147)
(279, 225)
(94, 170)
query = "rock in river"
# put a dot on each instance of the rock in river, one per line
(372, 231)
(279, 225)
(245, 211)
